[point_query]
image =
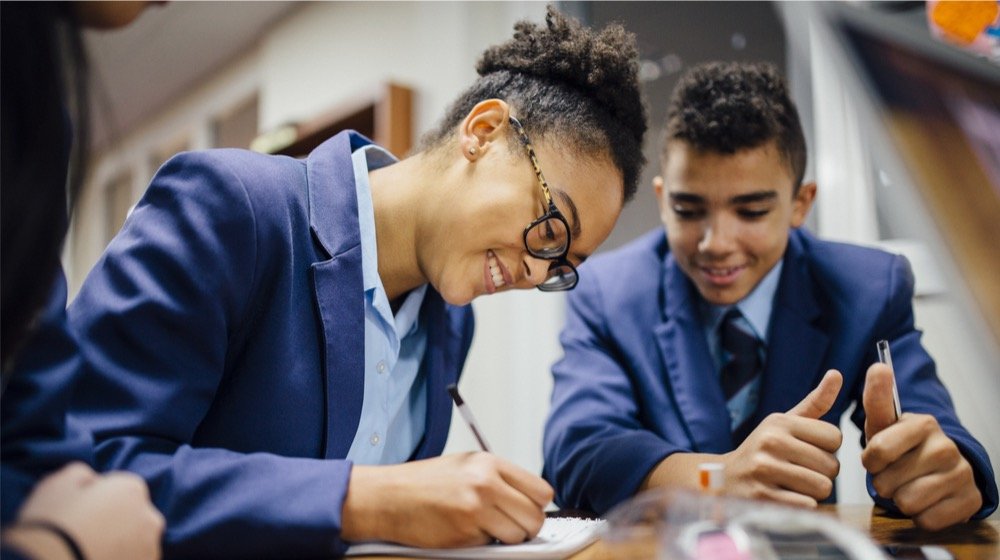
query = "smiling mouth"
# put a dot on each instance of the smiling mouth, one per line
(721, 275)
(495, 273)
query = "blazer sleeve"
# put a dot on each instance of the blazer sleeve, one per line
(154, 320)
(920, 389)
(36, 438)
(597, 451)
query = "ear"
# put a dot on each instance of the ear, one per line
(486, 122)
(658, 191)
(803, 203)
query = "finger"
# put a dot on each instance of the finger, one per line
(500, 526)
(892, 443)
(944, 514)
(772, 472)
(803, 481)
(916, 495)
(788, 497)
(880, 412)
(127, 482)
(75, 474)
(527, 483)
(821, 399)
(817, 433)
(521, 509)
(936, 458)
(785, 446)
(824, 463)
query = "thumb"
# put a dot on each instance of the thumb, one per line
(877, 399)
(821, 399)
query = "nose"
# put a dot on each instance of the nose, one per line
(535, 271)
(718, 238)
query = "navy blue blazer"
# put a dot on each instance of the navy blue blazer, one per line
(637, 382)
(34, 435)
(224, 334)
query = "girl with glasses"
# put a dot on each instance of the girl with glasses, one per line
(271, 338)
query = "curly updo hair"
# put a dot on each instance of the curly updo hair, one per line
(564, 81)
(725, 107)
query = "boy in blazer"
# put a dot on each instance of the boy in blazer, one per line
(735, 336)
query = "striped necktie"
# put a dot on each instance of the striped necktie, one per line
(741, 369)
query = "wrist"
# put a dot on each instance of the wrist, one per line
(360, 517)
(38, 540)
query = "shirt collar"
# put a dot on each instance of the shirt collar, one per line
(366, 159)
(756, 306)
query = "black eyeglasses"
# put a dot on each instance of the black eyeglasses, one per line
(548, 237)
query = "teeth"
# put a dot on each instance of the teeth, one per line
(496, 273)
(721, 271)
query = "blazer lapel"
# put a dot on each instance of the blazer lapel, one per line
(338, 285)
(797, 344)
(688, 363)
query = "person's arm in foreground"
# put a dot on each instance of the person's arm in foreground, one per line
(106, 516)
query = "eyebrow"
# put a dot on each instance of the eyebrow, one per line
(574, 217)
(575, 229)
(759, 196)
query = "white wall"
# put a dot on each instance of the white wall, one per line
(327, 52)
(186, 122)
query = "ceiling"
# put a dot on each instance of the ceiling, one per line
(138, 69)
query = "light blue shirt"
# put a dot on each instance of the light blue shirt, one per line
(756, 308)
(394, 411)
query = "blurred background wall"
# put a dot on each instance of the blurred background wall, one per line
(280, 75)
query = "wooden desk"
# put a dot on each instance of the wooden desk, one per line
(975, 541)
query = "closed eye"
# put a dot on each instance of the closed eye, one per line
(753, 213)
(687, 212)
(550, 234)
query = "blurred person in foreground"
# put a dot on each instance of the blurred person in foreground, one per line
(54, 504)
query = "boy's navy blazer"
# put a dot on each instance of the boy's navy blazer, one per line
(224, 335)
(637, 381)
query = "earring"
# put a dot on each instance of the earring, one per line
(473, 151)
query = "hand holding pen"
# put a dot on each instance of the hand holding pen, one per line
(463, 499)
(911, 460)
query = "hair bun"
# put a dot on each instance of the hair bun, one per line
(601, 64)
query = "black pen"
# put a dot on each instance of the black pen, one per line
(463, 409)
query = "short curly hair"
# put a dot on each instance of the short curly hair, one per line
(565, 80)
(725, 107)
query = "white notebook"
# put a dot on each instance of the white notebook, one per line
(559, 538)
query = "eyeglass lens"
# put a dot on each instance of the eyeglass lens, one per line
(560, 277)
(548, 239)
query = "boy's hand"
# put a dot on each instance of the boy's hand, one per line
(790, 457)
(913, 462)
